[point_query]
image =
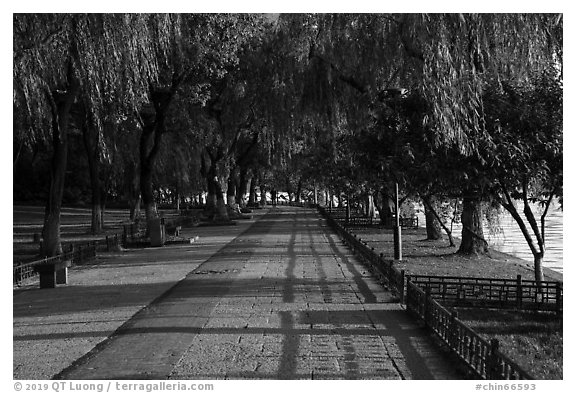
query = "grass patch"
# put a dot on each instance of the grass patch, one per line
(436, 257)
(534, 340)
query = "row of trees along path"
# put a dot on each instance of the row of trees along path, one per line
(181, 104)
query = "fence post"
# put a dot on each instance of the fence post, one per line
(492, 360)
(407, 298)
(454, 330)
(401, 289)
(519, 291)
(426, 305)
(125, 236)
(558, 298)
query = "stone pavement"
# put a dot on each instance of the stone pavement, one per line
(54, 327)
(283, 300)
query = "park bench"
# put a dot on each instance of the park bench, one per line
(172, 228)
(410, 222)
(360, 222)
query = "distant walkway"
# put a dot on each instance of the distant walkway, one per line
(282, 301)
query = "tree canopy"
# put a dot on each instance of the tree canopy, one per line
(443, 104)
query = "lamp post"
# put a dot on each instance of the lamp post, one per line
(397, 227)
(395, 94)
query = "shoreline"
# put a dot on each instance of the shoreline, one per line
(436, 257)
(549, 274)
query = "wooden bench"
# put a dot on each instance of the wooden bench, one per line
(173, 226)
(411, 222)
(173, 230)
(361, 222)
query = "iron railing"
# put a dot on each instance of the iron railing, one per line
(77, 255)
(426, 297)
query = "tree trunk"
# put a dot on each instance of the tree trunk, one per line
(433, 211)
(252, 196)
(147, 159)
(92, 155)
(315, 194)
(152, 129)
(433, 227)
(62, 103)
(473, 242)
(135, 208)
(244, 184)
(385, 207)
(103, 212)
(262, 195)
(538, 270)
(216, 206)
(299, 191)
(231, 194)
(132, 187)
(221, 212)
(147, 189)
(537, 250)
(370, 205)
(216, 195)
(211, 200)
(97, 215)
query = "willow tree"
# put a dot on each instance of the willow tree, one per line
(525, 159)
(446, 58)
(60, 59)
(203, 51)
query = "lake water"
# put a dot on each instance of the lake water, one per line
(509, 239)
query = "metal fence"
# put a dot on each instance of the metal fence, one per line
(493, 292)
(379, 266)
(426, 297)
(77, 255)
(483, 358)
(133, 235)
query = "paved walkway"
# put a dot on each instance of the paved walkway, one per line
(54, 327)
(283, 300)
